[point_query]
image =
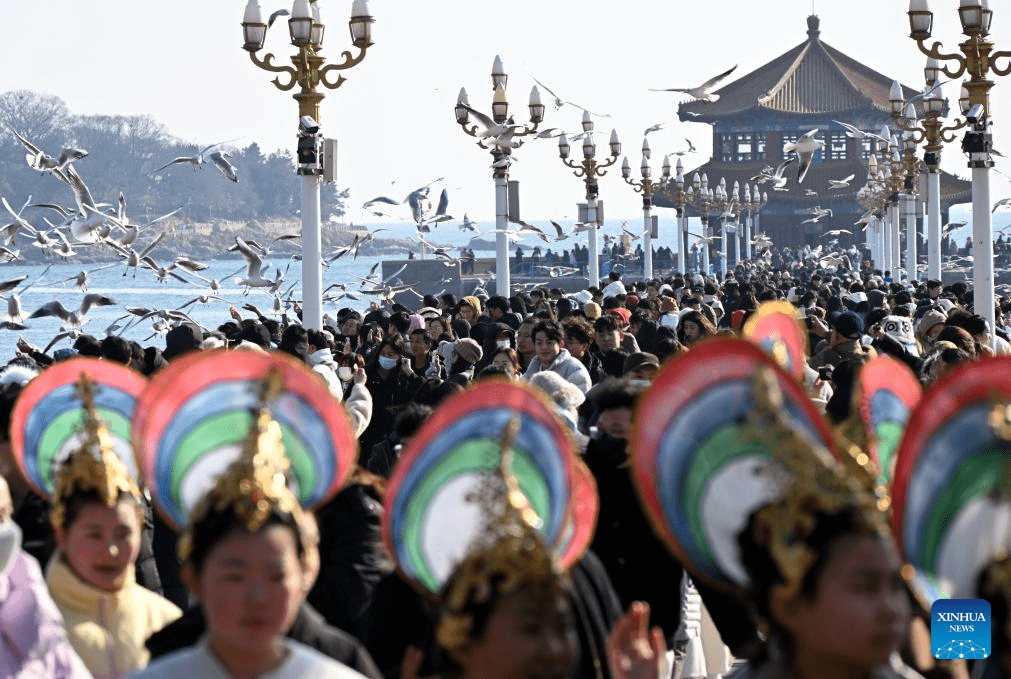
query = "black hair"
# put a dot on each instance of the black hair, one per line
(401, 321)
(409, 419)
(606, 323)
(316, 338)
(614, 393)
(497, 302)
(79, 499)
(553, 330)
(218, 524)
(424, 335)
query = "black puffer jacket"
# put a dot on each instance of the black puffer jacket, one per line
(352, 557)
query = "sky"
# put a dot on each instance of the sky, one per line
(182, 63)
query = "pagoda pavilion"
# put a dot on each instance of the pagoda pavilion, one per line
(808, 87)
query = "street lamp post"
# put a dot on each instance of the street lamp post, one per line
(977, 59)
(681, 216)
(501, 151)
(646, 186)
(309, 70)
(588, 169)
(703, 197)
(873, 196)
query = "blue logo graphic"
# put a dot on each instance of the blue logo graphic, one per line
(960, 628)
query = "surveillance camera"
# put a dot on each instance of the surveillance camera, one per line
(975, 114)
(307, 125)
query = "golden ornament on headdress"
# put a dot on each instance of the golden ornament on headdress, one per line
(256, 484)
(815, 483)
(94, 466)
(509, 550)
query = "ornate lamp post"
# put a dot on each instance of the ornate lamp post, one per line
(681, 218)
(701, 196)
(588, 169)
(720, 205)
(872, 196)
(646, 186)
(309, 70)
(501, 150)
(977, 59)
(934, 133)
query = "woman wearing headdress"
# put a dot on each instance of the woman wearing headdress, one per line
(804, 538)
(492, 530)
(97, 516)
(952, 494)
(250, 555)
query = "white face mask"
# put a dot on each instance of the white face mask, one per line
(10, 544)
(387, 363)
(344, 373)
(502, 344)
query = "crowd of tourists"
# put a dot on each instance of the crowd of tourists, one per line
(93, 581)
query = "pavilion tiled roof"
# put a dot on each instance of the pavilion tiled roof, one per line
(812, 78)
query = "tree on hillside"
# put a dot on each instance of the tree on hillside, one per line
(41, 118)
(126, 154)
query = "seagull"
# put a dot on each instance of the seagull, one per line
(805, 148)
(559, 102)
(857, 133)
(274, 15)
(72, 319)
(134, 258)
(703, 92)
(951, 226)
(467, 225)
(81, 279)
(776, 177)
(559, 231)
(762, 241)
(260, 249)
(10, 284)
(840, 183)
(38, 160)
(500, 134)
(204, 299)
(220, 161)
(1000, 203)
(836, 232)
(87, 225)
(196, 160)
(654, 128)
(705, 239)
(254, 268)
(810, 192)
(818, 213)
(10, 231)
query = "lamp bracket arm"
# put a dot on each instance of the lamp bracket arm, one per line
(993, 63)
(266, 63)
(936, 53)
(348, 60)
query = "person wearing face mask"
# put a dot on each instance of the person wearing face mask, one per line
(497, 336)
(392, 383)
(33, 641)
(638, 563)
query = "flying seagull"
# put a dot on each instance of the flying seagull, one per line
(39, 160)
(220, 161)
(559, 102)
(840, 183)
(196, 160)
(805, 148)
(703, 92)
